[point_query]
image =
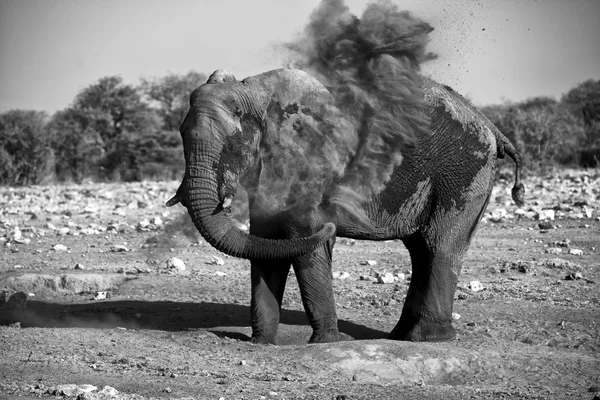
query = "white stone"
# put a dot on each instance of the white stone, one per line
(109, 390)
(455, 315)
(499, 214)
(476, 286)
(100, 296)
(388, 277)
(340, 275)
(220, 273)
(214, 260)
(370, 263)
(118, 248)
(553, 250)
(157, 221)
(60, 247)
(576, 252)
(546, 215)
(176, 264)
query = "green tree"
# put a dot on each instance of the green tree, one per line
(584, 101)
(170, 96)
(26, 155)
(549, 133)
(114, 107)
(76, 143)
(117, 113)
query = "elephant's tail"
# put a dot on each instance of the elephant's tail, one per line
(506, 147)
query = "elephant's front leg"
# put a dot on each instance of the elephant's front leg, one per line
(268, 284)
(313, 272)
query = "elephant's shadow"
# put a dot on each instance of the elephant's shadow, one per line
(227, 320)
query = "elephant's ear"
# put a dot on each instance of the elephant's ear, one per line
(221, 75)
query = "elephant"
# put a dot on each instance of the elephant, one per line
(235, 133)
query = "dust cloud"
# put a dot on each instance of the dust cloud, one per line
(371, 67)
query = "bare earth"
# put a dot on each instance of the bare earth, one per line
(531, 332)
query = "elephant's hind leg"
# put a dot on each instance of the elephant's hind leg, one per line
(436, 254)
(313, 272)
(268, 284)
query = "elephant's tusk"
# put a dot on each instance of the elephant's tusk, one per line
(227, 202)
(173, 200)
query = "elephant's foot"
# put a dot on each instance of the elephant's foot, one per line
(328, 336)
(423, 330)
(263, 339)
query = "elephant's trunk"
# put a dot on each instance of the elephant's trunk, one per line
(199, 193)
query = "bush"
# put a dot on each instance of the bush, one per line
(26, 155)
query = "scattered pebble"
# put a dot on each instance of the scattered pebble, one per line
(544, 215)
(370, 263)
(388, 277)
(118, 248)
(60, 247)
(214, 260)
(340, 275)
(100, 296)
(455, 316)
(573, 276)
(553, 250)
(175, 264)
(220, 273)
(576, 252)
(475, 286)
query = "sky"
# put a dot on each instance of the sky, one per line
(490, 51)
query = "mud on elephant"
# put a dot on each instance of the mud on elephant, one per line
(258, 132)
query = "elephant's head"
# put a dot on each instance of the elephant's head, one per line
(222, 136)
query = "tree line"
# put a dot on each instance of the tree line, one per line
(115, 131)
(112, 131)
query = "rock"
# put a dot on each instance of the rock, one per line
(340, 275)
(118, 248)
(156, 221)
(109, 391)
(545, 215)
(455, 316)
(562, 243)
(73, 390)
(143, 225)
(576, 252)
(388, 277)
(214, 260)
(475, 286)
(588, 212)
(220, 273)
(499, 214)
(370, 263)
(553, 250)
(545, 225)
(60, 247)
(176, 264)
(573, 276)
(100, 296)
(79, 266)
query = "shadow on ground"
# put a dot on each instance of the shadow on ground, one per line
(162, 315)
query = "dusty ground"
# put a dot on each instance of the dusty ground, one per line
(165, 332)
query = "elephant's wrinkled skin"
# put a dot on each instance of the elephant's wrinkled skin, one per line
(433, 201)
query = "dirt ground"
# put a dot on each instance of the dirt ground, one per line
(528, 329)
